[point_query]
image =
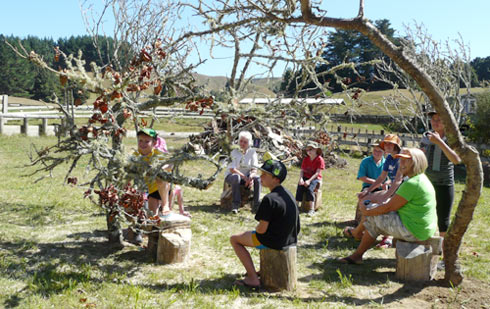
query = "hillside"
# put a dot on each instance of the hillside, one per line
(259, 86)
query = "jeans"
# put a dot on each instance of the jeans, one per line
(310, 191)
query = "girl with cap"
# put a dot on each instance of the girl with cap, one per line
(310, 175)
(441, 159)
(409, 215)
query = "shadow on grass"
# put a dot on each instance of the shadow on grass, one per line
(51, 268)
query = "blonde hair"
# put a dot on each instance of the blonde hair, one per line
(419, 160)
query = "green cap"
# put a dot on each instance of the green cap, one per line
(149, 132)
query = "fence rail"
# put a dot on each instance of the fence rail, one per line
(343, 136)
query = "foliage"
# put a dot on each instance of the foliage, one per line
(482, 69)
(479, 125)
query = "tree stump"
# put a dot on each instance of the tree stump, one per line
(169, 240)
(278, 269)
(417, 261)
(227, 196)
(318, 199)
(174, 246)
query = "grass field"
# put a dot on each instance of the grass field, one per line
(54, 254)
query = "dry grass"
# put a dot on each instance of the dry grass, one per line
(54, 252)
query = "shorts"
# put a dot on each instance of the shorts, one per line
(155, 195)
(388, 224)
(256, 242)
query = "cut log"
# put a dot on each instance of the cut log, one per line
(278, 269)
(174, 246)
(413, 261)
(318, 199)
(227, 197)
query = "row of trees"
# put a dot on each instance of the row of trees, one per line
(348, 46)
(21, 78)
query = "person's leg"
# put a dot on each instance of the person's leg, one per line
(234, 181)
(153, 205)
(238, 242)
(299, 193)
(444, 199)
(163, 188)
(366, 242)
(178, 193)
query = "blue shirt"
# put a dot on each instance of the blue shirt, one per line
(391, 166)
(369, 168)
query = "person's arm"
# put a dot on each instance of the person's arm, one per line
(261, 228)
(376, 184)
(313, 177)
(450, 154)
(367, 180)
(393, 204)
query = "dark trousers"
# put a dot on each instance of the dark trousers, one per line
(444, 199)
(235, 181)
(309, 191)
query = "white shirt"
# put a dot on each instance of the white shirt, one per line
(244, 162)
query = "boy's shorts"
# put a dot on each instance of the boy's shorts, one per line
(256, 242)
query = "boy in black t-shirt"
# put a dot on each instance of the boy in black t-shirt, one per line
(278, 218)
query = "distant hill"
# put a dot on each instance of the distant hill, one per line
(259, 87)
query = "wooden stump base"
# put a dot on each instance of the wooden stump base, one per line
(278, 269)
(226, 198)
(417, 261)
(318, 200)
(169, 241)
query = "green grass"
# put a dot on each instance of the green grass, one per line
(53, 251)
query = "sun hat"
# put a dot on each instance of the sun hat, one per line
(376, 143)
(403, 155)
(390, 138)
(148, 131)
(275, 168)
(312, 144)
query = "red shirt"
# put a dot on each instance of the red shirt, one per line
(309, 167)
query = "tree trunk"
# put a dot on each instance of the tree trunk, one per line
(469, 156)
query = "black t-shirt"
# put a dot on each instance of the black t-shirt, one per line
(280, 210)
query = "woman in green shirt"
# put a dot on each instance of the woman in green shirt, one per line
(409, 215)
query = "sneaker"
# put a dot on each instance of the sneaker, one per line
(234, 211)
(138, 238)
(311, 213)
(441, 265)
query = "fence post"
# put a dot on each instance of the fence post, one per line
(1, 125)
(25, 127)
(5, 104)
(44, 127)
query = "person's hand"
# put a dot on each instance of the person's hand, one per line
(301, 182)
(248, 182)
(385, 186)
(362, 194)
(434, 137)
(307, 183)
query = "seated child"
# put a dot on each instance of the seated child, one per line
(158, 190)
(278, 218)
(310, 175)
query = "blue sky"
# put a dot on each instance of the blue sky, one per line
(444, 19)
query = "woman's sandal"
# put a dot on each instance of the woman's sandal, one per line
(244, 284)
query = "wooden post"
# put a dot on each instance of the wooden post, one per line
(5, 104)
(25, 126)
(226, 198)
(1, 125)
(43, 129)
(278, 269)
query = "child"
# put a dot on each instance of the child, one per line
(158, 190)
(310, 175)
(278, 218)
(391, 145)
(176, 191)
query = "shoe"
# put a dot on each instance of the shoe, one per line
(385, 243)
(441, 265)
(234, 211)
(311, 213)
(348, 260)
